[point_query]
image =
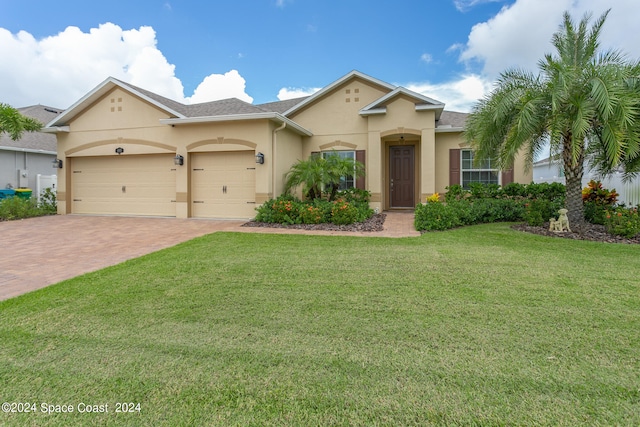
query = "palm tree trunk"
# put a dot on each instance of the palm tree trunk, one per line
(573, 171)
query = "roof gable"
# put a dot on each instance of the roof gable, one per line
(334, 86)
(105, 87)
(422, 103)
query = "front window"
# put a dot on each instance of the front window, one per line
(346, 182)
(484, 173)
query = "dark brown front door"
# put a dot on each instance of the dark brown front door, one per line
(402, 182)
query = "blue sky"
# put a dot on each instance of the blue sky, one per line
(264, 50)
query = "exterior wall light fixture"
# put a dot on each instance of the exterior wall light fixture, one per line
(178, 160)
(57, 163)
(260, 158)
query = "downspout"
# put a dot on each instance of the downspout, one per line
(273, 158)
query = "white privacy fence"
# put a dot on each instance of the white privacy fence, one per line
(629, 192)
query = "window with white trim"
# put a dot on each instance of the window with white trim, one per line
(484, 173)
(346, 182)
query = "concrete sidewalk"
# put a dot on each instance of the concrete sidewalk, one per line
(38, 252)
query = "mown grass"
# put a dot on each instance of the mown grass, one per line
(476, 326)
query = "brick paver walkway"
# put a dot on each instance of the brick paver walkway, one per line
(37, 252)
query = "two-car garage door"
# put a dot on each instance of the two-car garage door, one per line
(222, 185)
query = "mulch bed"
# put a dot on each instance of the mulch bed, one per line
(375, 223)
(593, 232)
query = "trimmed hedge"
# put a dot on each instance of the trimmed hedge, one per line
(535, 203)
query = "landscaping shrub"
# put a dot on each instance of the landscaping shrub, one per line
(484, 191)
(18, 208)
(462, 210)
(455, 192)
(535, 203)
(515, 189)
(310, 214)
(355, 195)
(351, 206)
(283, 210)
(48, 204)
(343, 212)
(360, 200)
(554, 191)
(436, 216)
(623, 222)
(538, 211)
(595, 213)
(496, 210)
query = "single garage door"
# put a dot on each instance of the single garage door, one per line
(223, 184)
(124, 185)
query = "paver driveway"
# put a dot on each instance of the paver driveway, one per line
(37, 252)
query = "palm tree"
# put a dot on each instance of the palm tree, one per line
(320, 174)
(14, 123)
(582, 101)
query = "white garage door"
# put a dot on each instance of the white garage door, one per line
(124, 185)
(223, 184)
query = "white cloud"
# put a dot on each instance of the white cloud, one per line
(426, 58)
(60, 69)
(519, 35)
(465, 5)
(220, 86)
(458, 95)
(291, 93)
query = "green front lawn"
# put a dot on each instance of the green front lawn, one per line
(476, 326)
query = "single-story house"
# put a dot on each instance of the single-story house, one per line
(125, 150)
(23, 160)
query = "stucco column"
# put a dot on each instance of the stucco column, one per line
(428, 162)
(374, 169)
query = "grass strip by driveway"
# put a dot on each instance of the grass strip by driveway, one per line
(476, 326)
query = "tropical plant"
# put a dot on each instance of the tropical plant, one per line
(597, 202)
(321, 175)
(15, 124)
(583, 101)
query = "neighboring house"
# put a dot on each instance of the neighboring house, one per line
(551, 170)
(23, 160)
(128, 151)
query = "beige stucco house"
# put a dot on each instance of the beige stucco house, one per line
(125, 150)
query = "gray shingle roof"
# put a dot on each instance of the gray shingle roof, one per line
(281, 106)
(452, 118)
(35, 140)
(221, 107)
